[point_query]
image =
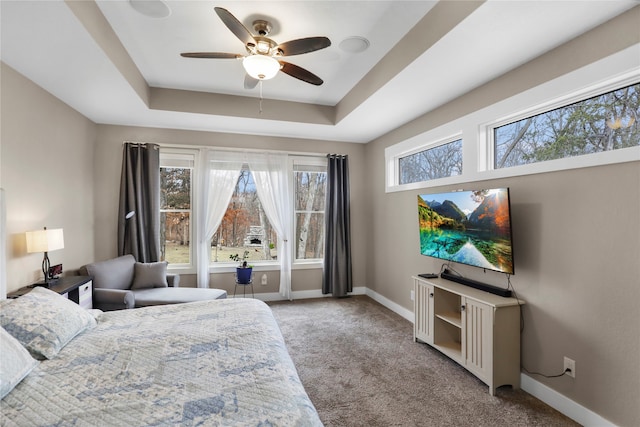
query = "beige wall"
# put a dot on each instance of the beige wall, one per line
(577, 246)
(108, 152)
(47, 174)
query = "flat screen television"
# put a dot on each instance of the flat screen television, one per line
(468, 227)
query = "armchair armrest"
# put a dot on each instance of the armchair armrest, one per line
(113, 299)
(173, 280)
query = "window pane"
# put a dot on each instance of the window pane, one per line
(309, 209)
(602, 123)
(175, 237)
(245, 226)
(175, 215)
(310, 235)
(438, 162)
(175, 188)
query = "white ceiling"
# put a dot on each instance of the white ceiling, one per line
(364, 95)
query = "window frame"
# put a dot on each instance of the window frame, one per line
(313, 161)
(476, 127)
(550, 106)
(167, 155)
(258, 265)
(196, 177)
(427, 147)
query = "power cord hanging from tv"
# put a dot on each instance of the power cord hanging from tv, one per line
(515, 295)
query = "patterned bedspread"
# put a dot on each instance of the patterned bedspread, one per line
(211, 363)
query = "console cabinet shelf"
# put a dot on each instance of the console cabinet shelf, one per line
(477, 329)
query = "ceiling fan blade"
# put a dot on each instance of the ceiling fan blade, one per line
(250, 82)
(213, 55)
(306, 45)
(300, 73)
(235, 26)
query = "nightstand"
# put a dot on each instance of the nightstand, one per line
(78, 289)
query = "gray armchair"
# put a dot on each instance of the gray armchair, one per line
(122, 282)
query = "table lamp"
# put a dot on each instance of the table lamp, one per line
(45, 241)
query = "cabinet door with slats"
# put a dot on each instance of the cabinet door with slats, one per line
(477, 339)
(423, 311)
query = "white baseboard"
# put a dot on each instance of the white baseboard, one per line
(562, 403)
(316, 293)
(556, 400)
(396, 308)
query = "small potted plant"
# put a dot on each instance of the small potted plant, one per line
(243, 271)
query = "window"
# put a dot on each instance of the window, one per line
(605, 122)
(309, 198)
(175, 207)
(245, 226)
(439, 162)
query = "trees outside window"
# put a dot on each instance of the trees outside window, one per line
(175, 215)
(245, 226)
(438, 162)
(309, 194)
(602, 123)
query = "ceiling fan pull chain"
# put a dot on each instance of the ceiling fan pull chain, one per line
(260, 83)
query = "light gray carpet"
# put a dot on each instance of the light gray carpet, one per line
(361, 367)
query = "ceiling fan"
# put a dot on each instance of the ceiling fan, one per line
(262, 61)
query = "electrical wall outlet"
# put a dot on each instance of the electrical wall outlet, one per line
(569, 367)
(264, 280)
(413, 295)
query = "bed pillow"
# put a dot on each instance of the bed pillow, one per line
(15, 363)
(44, 321)
(150, 275)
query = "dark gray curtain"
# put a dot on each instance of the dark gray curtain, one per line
(139, 212)
(337, 276)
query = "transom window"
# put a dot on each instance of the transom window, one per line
(438, 162)
(605, 122)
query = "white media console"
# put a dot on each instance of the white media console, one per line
(477, 329)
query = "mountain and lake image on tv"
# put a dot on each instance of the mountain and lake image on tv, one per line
(468, 227)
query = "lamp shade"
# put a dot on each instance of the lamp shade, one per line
(45, 240)
(261, 67)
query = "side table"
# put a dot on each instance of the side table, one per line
(78, 289)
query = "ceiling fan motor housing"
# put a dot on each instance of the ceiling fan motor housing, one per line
(263, 46)
(262, 27)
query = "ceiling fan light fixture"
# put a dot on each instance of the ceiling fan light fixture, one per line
(261, 67)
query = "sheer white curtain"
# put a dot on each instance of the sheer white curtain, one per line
(219, 174)
(272, 185)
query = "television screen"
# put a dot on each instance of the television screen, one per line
(468, 227)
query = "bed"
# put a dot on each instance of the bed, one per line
(213, 363)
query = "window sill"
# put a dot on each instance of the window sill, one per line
(267, 267)
(231, 268)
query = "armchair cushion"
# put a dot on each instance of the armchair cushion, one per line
(150, 275)
(116, 273)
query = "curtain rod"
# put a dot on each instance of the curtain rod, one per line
(254, 150)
